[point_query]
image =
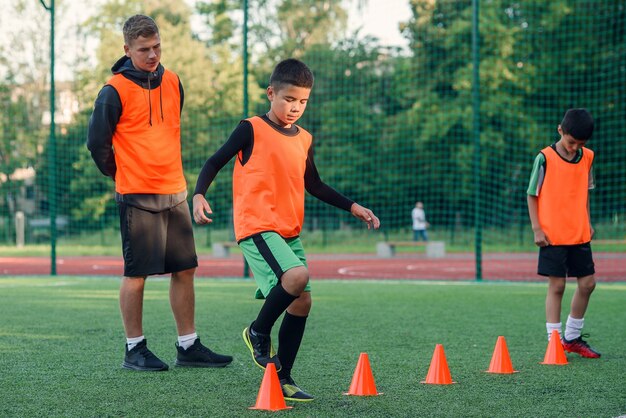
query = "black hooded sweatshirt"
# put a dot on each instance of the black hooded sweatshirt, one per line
(106, 114)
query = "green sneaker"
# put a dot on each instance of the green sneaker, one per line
(292, 392)
(260, 345)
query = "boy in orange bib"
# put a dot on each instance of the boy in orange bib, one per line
(274, 166)
(558, 205)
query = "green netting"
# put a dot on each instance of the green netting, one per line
(391, 126)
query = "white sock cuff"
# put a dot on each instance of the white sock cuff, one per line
(550, 326)
(186, 341)
(133, 341)
(573, 328)
(575, 322)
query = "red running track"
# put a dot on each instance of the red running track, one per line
(610, 267)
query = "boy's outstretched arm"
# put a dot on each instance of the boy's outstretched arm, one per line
(365, 215)
(316, 187)
(541, 240)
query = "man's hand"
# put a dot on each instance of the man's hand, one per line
(200, 210)
(365, 215)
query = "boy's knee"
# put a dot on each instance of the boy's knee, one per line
(557, 285)
(587, 284)
(295, 280)
(302, 305)
(305, 300)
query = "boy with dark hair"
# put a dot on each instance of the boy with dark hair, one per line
(134, 138)
(558, 205)
(274, 166)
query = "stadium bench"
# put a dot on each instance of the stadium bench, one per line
(434, 249)
(222, 249)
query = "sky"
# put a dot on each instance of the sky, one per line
(380, 18)
(375, 17)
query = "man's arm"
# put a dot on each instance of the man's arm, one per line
(106, 114)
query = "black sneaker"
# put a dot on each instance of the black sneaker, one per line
(292, 392)
(198, 355)
(142, 359)
(260, 345)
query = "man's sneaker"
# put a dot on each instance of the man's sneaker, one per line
(198, 355)
(142, 359)
(260, 345)
(580, 346)
(292, 392)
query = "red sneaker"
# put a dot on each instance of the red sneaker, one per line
(581, 347)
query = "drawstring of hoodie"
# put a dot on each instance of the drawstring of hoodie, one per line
(161, 100)
(150, 100)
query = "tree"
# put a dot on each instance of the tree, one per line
(23, 99)
(211, 77)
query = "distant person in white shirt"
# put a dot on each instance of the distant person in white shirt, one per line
(419, 222)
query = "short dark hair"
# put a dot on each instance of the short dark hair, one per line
(291, 71)
(139, 25)
(578, 123)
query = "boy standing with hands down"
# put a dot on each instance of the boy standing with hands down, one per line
(558, 205)
(274, 166)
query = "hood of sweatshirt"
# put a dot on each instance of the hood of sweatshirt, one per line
(146, 79)
(149, 80)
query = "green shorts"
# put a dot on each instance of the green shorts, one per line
(269, 256)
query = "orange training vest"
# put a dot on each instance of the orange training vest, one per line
(148, 158)
(562, 200)
(268, 191)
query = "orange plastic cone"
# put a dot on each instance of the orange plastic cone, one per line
(555, 353)
(438, 373)
(363, 379)
(270, 397)
(500, 360)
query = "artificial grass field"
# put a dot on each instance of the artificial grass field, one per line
(61, 347)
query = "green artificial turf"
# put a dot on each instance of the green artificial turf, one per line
(62, 343)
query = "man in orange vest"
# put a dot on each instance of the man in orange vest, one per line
(134, 138)
(558, 205)
(274, 166)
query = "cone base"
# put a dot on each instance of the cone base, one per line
(514, 371)
(270, 409)
(356, 394)
(430, 383)
(554, 364)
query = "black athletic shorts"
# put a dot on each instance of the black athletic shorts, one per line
(566, 261)
(156, 242)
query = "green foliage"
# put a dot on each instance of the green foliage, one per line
(390, 126)
(62, 340)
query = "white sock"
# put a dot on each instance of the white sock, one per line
(550, 326)
(186, 341)
(573, 328)
(132, 342)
